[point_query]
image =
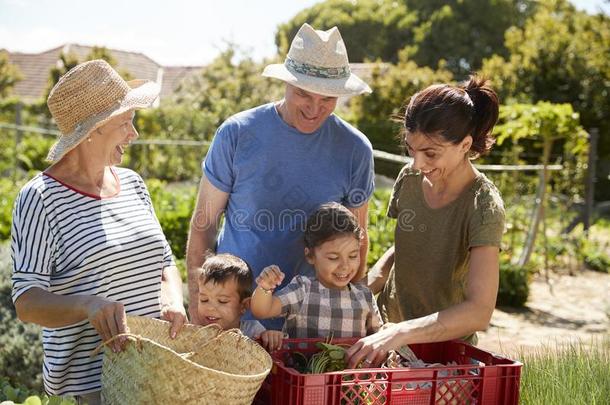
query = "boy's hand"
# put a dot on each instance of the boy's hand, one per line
(270, 277)
(271, 340)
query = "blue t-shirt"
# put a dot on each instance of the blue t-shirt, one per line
(277, 176)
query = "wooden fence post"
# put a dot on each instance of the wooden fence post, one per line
(590, 184)
(18, 136)
(538, 212)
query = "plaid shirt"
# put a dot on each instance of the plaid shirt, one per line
(312, 310)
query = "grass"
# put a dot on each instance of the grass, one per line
(575, 373)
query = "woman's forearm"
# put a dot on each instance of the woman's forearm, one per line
(452, 323)
(378, 275)
(52, 310)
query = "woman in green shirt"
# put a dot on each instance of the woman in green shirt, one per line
(440, 279)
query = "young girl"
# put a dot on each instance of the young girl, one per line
(328, 304)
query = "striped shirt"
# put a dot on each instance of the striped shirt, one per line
(70, 243)
(312, 310)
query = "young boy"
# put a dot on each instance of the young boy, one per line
(225, 288)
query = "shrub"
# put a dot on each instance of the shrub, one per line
(514, 285)
(8, 193)
(21, 353)
(10, 395)
(381, 228)
(174, 207)
(594, 257)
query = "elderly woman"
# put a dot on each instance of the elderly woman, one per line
(440, 279)
(87, 247)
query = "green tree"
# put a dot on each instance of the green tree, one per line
(70, 60)
(9, 74)
(64, 63)
(546, 124)
(101, 52)
(459, 34)
(455, 34)
(371, 28)
(561, 55)
(229, 84)
(392, 87)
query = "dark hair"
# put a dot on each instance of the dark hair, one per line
(330, 221)
(453, 112)
(223, 267)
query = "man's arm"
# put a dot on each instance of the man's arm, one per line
(211, 203)
(362, 214)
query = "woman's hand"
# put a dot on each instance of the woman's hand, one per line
(373, 350)
(272, 340)
(108, 318)
(270, 277)
(176, 315)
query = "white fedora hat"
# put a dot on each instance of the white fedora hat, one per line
(88, 96)
(317, 62)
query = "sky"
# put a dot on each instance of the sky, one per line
(176, 32)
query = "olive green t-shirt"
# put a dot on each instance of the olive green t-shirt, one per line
(432, 246)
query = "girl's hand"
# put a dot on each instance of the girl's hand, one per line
(271, 340)
(270, 277)
(373, 350)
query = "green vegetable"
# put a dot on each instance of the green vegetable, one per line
(329, 358)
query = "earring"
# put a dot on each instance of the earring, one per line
(89, 139)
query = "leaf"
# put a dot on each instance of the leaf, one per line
(33, 400)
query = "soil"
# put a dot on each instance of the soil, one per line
(563, 309)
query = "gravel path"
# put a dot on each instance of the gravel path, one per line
(566, 308)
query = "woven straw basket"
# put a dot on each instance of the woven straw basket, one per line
(203, 365)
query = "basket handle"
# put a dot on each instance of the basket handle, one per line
(135, 338)
(222, 333)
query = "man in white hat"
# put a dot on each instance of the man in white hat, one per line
(270, 167)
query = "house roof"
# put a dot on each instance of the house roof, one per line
(35, 69)
(173, 76)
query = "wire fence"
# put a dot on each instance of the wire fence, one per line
(377, 154)
(525, 205)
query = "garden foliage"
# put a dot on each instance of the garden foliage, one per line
(434, 33)
(20, 344)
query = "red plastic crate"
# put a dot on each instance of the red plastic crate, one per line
(479, 378)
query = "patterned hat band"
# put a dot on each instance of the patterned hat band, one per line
(317, 71)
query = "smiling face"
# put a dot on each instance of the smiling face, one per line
(111, 139)
(220, 303)
(336, 261)
(434, 157)
(304, 110)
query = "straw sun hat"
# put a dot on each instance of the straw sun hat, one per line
(88, 96)
(317, 62)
